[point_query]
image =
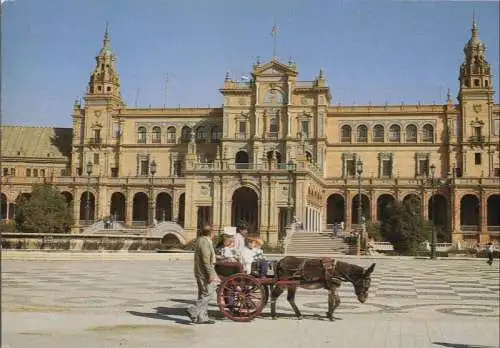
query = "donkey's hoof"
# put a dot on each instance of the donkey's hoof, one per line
(274, 318)
(300, 317)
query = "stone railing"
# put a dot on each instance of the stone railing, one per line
(353, 181)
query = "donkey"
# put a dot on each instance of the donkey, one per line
(315, 273)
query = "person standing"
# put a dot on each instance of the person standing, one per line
(205, 275)
(489, 249)
(240, 238)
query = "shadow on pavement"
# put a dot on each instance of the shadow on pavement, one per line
(458, 345)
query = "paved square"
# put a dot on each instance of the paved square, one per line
(137, 300)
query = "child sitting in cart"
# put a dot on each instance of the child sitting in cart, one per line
(258, 257)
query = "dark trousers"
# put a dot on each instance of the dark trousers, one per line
(490, 258)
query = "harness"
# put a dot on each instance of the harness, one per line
(327, 264)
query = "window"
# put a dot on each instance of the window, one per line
(96, 158)
(304, 129)
(423, 167)
(274, 125)
(62, 172)
(387, 168)
(201, 134)
(35, 173)
(116, 130)
(378, 134)
(428, 133)
(13, 171)
(156, 138)
(28, 172)
(350, 167)
(144, 167)
(6, 172)
(171, 135)
(141, 135)
(496, 127)
(178, 168)
(114, 172)
(242, 130)
(308, 156)
(477, 158)
(476, 82)
(346, 134)
(362, 134)
(411, 133)
(42, 173)
(496, 172)
(216, 134)
(185, 134)
(477, 132)
(395, 133)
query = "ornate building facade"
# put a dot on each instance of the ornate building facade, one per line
(277, 148)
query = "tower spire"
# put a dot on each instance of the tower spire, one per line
(274, 33)
(106, 47)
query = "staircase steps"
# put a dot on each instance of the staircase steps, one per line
(309, 243)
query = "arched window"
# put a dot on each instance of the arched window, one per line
(428, 133)
(346, 134)
(378, 134)
(395, 133)
(362, 134)
(185, 134)
(216, 134)
(274, 125)
(201, 134)
(171, 135)
(156, 139)
(411, 133)
(141, 135)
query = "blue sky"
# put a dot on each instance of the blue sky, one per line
(371, 51)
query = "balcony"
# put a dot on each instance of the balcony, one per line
(362, 140)
(477, 140)
(272, 135)
(240, 136)
(95, 141)
(346, 140)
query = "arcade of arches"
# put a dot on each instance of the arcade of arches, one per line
(436, 209)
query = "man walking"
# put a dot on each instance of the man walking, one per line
(206, 278)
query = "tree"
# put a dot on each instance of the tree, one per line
(404, 226)
(46, 211)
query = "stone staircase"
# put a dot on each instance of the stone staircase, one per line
(309, 243)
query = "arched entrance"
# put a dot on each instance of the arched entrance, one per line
(118, 206)
(3, 206)
(87, 207)
(245, 207)
(241, 160)
(182, 207)
(335, 208)
(140, 207)
(383, 202)
(469, 212)
(493, 215)
(365, 208)
(412, 197)
(163, 207)
(437, 210)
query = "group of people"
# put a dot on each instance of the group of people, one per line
(236, 247)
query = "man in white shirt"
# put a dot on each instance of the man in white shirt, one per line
(239, 238)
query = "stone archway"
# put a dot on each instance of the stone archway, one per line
(118, 206)
(469, 211)
(383, 202)
(3, 206)
(438, 210)
(245, 207)
(365, 208)
(335, 209)
(140, 207)
(87, 207)
(163, 207)
(412, 197)
(493, 214)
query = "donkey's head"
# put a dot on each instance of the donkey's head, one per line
(362, 283)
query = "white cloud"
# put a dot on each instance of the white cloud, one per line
(2, 1)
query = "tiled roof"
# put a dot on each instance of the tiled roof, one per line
(40, 142)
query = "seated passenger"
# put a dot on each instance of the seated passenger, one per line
(258, 257)
(229, 252)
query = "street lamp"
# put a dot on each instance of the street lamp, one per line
(89, 172)
(359, 170)
(433, 185)
(152, 170)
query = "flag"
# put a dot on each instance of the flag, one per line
(274, 31)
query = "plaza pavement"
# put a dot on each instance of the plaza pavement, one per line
(112, 300)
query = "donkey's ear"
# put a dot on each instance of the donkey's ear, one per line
(369, 270)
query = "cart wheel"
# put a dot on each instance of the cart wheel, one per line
(241, 297)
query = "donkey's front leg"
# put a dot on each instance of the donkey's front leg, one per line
(275, 293)
(333, 302)
(291, 299)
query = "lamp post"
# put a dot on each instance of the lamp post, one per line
(291, 168)
(89, 172)
(152, 170)
(433, 185)
(359, 170)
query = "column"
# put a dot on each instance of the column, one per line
(175, 205)
(129, 208)
(483, 218)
